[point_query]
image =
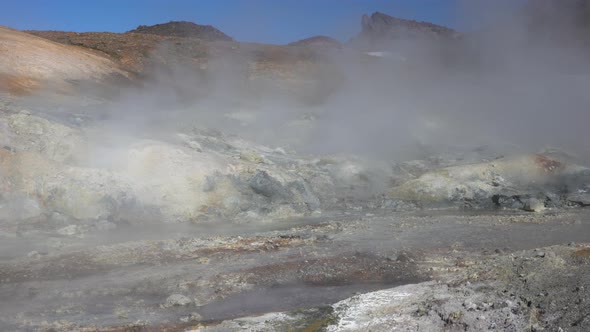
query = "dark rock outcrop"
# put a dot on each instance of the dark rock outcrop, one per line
(185, 30)
(380, 29)
(385, 26)
(265, 185)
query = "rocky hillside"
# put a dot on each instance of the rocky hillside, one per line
(133, 51)
(193, 47)
(291, 69)
(184, 29)
(381, 28)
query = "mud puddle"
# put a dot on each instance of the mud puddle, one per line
(285, 298)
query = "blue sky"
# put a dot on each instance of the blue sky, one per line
(268, 21)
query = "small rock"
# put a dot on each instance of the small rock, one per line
(484, 306)
(251, 156)
(324, 237)
(177, 300)
(572, 244)
(404, 258)
(68, 230)
(34, 254)
(540, 254)
(195, 317)
(534, 205)
(469, 306)
(194, 145)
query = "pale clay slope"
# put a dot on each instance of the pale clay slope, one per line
(25, 55)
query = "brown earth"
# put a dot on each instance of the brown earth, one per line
(299, 71)
(134, 51)
(131, 51)
(30, 62)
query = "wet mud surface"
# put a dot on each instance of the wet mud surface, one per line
(189, 275)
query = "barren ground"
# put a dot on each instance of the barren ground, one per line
(182, 227)
(118, 284)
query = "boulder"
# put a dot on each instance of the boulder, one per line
(177, 300)
(581, 198)
(267, 186)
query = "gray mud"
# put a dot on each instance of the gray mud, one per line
(111, 280)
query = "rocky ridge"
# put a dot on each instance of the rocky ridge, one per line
(381, 31)
(184, 29)
(318, 41)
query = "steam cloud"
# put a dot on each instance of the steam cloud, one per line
(507, 86)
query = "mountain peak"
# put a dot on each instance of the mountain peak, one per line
(380, 25)
(382, 31)
(184, 29)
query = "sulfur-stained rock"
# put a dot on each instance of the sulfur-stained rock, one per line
(251, 156)
(177, 300)
(172, 179)
(79, 193)
(26, 132)
(506, 182)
